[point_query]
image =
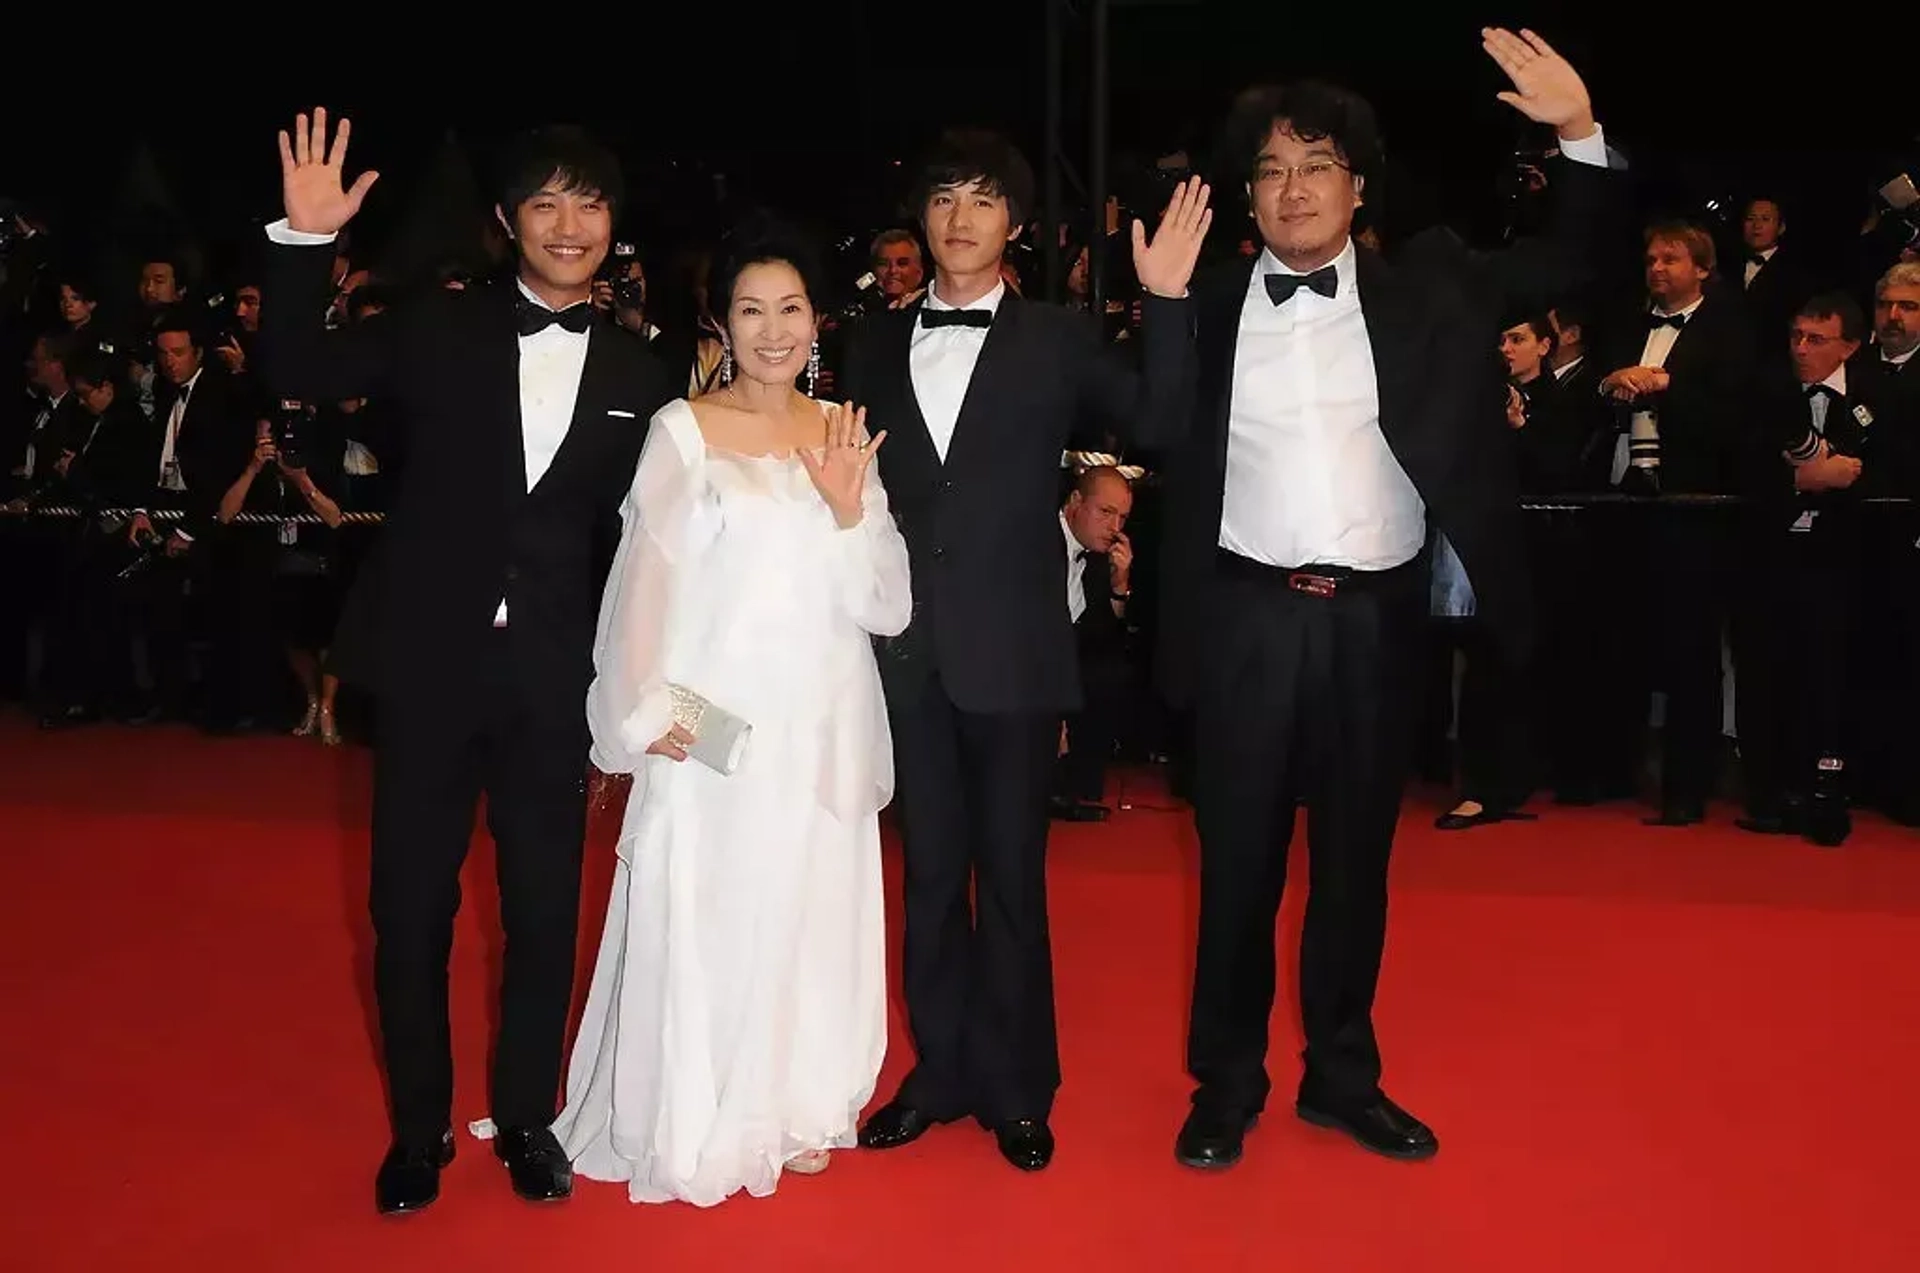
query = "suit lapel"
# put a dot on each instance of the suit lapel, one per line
(590, 403)
(898, 359)
(989, 371)
(1393, 329)
(496, 373)
(1218, 343)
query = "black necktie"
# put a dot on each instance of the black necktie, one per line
(537, 318)
(931, 318)
(1675, 321)
(1281, 287)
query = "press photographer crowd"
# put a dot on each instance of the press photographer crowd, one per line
(1717, 436)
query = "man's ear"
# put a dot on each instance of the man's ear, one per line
(1359, 188)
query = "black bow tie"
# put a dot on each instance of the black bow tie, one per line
(1675, 321)
(1281, 287)
(931, 318)
(537, 318)
(1755, 258)
(1820, 391)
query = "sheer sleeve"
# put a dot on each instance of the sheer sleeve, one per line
(872, 570)
(627, 704)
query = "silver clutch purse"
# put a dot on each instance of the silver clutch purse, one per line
(719, 737)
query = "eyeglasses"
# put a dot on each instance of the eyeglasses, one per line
(1314, 170)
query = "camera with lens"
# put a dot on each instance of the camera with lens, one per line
(629, 292)
(291, 421)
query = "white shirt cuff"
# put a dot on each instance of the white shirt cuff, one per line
(1591, 149)
(284, 234)
(184, 537)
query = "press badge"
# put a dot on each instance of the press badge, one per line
(1864, 416)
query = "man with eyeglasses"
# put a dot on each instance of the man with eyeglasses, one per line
(1346, 409)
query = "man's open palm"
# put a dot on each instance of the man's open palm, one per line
(316, 199)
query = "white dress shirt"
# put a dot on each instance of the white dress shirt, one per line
(1753, 266)
(1643, 426)
(942, 360)
(1310, 478)
(551, 361)
(1076, 573)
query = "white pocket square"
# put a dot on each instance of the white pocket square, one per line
(624, 415)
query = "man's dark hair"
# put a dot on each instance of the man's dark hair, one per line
(180, 318)
(1574, 311)
(759, 239)
(1312, 110)
(95, 366)
(564, 157)
(60, 344)
(1853, 323)
(966, 155)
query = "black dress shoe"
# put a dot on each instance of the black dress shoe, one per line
(409, 1178)
(895, 1124)
(1211, 1140)
(1026, 1143)
(1383, 1127)
(1678, 813)
(536, 1163)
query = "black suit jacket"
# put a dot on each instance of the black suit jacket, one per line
(1100, 633)
(1710, 393)
(462, 530)
(983, 528)
(1434, 324)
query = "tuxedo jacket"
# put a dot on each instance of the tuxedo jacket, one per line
(462, 529)
(1100, 633)
(983, 527)
(1434, 325)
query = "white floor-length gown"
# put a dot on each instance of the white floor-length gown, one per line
(737, 1013)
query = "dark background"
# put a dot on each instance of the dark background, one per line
(810, 106)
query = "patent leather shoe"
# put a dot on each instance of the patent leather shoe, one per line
(409, 1177)
(1026, 1143)
(535, 1162)
(1382, 1127)
(1211, 1140)
(895, 1124)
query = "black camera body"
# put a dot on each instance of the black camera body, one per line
(290, 424)
(628, 292)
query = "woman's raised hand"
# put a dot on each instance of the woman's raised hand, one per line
(840, 474)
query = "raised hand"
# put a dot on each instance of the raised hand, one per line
(840, 473)
(1164, 266)
(1546, 88)
(311, 189)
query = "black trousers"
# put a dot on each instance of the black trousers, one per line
(973, 794)
(1793, 643)
(1106, 680)
(1304, 698)
(432, 763)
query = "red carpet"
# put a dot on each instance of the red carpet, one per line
(1642, 1051)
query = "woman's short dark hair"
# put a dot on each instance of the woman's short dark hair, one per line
(967, 155)
(563, 156)
(759, 239)
(1312, 110)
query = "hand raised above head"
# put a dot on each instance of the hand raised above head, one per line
(316, 199)
(1546, 88)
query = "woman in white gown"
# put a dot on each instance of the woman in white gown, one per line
(736, 1020)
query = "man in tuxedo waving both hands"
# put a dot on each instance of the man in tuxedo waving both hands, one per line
(472, 624)
(1345, 408)
(979, 390)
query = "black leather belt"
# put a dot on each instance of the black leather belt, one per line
(1313, 579)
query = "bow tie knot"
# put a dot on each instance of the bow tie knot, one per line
(1281, 287)
(534, 318)
(931, 318)
(1675, 321)
(1820, 391)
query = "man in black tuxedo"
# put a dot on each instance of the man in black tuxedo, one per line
(473, 622)
(1099, 589)
(1346, 409)
(980, 390)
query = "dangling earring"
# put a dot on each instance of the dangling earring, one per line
(726, 363)
(813, 366)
